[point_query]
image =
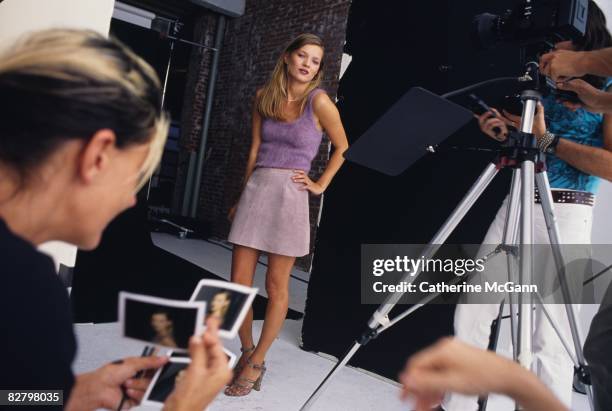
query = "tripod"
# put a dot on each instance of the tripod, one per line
(523, 157)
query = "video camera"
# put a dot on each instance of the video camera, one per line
(535, 26)
(533, 22)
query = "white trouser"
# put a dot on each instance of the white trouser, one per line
(473, 321)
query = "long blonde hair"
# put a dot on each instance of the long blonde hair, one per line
(60, 84)
(274, 93)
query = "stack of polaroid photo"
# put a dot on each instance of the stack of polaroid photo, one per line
(169, 324)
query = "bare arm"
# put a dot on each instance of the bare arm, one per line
(599, 62)
(327, 114)
(329, 117)
(591, 98)
(527, 390)
(453, 366)
(563, 64)
(591, 160)
(595, 161)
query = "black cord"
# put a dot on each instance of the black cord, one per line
(478, 85)
(438, 149)
(599, 274)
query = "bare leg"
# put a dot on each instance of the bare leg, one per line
(244, 262)
(277, 286)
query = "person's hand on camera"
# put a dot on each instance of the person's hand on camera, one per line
(561, 65)
(594, 100)
(492, 124)
(104, 387)
(539, 121)
(207, 374)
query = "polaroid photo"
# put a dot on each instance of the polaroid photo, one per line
(231, 357)
(165, 379)
(159, 321)
(228, 301)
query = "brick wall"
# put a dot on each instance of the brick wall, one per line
(251, 46)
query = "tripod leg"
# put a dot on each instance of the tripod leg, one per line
(510, 238)
(555, 241)
(555, 327)
(482, 402)
(317, 393)
(510, 233)
(439, 238)
(525, 318)
(376, 324)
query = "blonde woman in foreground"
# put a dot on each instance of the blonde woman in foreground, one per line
(80, 131)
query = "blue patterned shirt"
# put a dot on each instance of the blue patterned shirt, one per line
(581, 127)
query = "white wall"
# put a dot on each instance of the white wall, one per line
(18, 17)
(21, 16)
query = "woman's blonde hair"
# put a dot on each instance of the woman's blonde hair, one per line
(60, 84)
(274, 93)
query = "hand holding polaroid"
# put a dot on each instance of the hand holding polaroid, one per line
(229, 302)
(159, 321)
(177, 382)
(165, 379)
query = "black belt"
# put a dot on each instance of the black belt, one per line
(569, 197)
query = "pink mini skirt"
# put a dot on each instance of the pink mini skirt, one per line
(272, 214)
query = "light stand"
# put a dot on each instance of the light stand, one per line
(523, 156)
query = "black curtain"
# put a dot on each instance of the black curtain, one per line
(394, 46)
(127, 260)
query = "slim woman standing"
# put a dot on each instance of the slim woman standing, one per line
(290, 115)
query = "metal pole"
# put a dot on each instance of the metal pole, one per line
(555, 241)
(380, 320)
(525, 319)
(206, 122)
(510, 237)
(163, 100)
(439, 238)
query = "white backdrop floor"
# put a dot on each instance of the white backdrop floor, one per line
(292, 374)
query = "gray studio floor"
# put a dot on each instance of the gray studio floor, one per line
(292, 373)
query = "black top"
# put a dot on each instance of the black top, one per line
(37, 343)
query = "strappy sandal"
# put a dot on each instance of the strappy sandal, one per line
(239, 367)
(242, 386)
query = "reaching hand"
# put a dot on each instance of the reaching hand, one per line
(594, 100)
(207, 374)
(452, 366)
(561, 65)
(539, 121)
(300, 176)
(493, 125)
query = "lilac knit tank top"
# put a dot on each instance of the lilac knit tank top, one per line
(291, 145)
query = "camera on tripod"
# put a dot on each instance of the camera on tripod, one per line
(533, 22)
(536, 26)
